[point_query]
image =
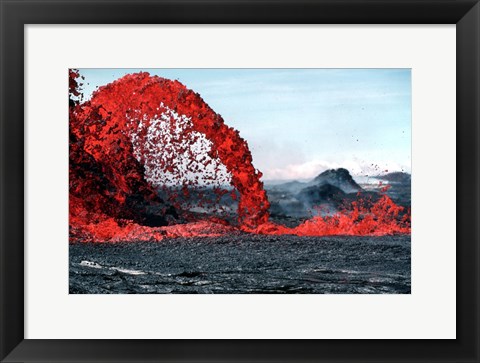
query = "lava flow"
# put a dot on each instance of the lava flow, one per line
(140, 146)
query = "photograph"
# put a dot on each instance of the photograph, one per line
(240, 181)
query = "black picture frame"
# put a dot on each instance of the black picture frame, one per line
(16, 13)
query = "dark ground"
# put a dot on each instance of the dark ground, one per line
(241, 264)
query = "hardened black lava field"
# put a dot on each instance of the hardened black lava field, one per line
(244, 264)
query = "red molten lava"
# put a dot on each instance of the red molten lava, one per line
(364, 219)
(142, 132)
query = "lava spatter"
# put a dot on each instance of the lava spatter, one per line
(363, 218)
(139, 98)
(118, 136)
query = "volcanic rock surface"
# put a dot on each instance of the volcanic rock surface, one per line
(339, 178)
(396, 177)
(244, 264)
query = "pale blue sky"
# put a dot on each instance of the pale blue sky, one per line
(298, 122)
